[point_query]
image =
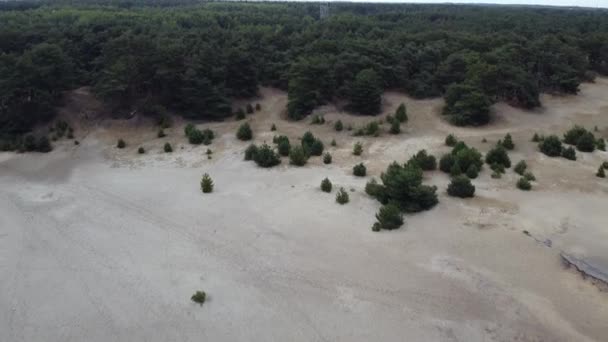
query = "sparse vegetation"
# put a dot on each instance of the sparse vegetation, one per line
(507, 142)
(161, 133)
(250, 152)
(524, 184)
(357, 149)
(326, 185)
(199, 297)
(258, 107)
(461, 186)
(338, 126)
(424, 160)
(121, 144)
(283, 145)
(273, 128)
(401, 113)
(389, 217)
(529, 176)
(249, 108)
(317, 120)
(451, 140)
(298, 156)
(207, 183)
(498, 155)
(240, 114)
(244, 132)
(316, 148)
(359, 170)
(395, 127)
(569, 153)
(520, 167)
(600, 172)
(342, 196)
(551, 146)
(333, 142)
(167, 148)
(266, 157)
(327, 158)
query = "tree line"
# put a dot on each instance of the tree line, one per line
(192, 58)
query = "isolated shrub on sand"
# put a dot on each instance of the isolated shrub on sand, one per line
(316, 149)
(121, 143)
(273, 127)
(266, 157)
(199, 297)
(529, 176)
(359, 170)
(451, 140)
(161, 133)
(520, 167)
(569, 153)
(536, 138)
(395, 127)
(342, 196)
(389, 217)
(327, 158)
(250, 152)
(472, 171)
(141, 150)
(357, 149)
(524, 184)
(326, 185)
(206, 184)
(508, 142)
(586, 142)
(551, 146)
(333, 143)
(600, 172)
(600, 144)
(338, 126)
(401, 113)
(425, 161)
(298, 156)
(168, 148)
(244, 132)
(498, 155)
(461, 186)
(188, 129)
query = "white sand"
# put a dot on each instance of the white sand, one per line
(99, 244)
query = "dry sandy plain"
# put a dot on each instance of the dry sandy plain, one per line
(101, 244)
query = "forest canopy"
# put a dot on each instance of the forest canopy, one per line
(192, 58)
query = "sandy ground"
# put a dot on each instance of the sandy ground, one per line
(100, 244)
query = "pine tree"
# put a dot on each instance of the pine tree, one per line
(401, 113)
(326, 185)
(206, 184)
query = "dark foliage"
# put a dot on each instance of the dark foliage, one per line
(265, 156)
(389, 217)
(569, 153)
(359, 170)
(342, 196)
(326, 185)
(298, 156)
(461, 186)
(327, 158)
(244, 132)
(498, 155)
(423, 160)
(524, 184)
(551, 146)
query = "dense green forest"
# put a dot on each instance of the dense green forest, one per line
(192, 58)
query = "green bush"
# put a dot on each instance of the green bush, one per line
(358, 149)
(284, 147)
(168, 148)
(333, 143)
(266, 157)
(307, 140)
(196, 137)
(342, 196)
(395, 127)
(273, 127)
(496, 175)
(206, 184)
(529, 176)
(249, 108)
(600, 144)
(586, 142)
(572, 136)
(326, 185)
(359, 170)
(456, 170)
(551, 146)
(199, 297)
(569, 153)
(316, 149)
(141, 150)
(161, 133)
(338, 126)
(317, 120)
(524, 184)
(536, 138)
(605, 165)
(188, 129)
(376, 190)
(461, 186)
(425, 161)
(327, 158)
(498, 168)
(508, 142)
(498, 155)
(446, 162)
(472, 171)
(520, 167)
(389, 217)
(244, 132)
(401, 113)
(121, 144)
(600, 172)
(372, 129)
(451, 140)
(240, 114)
(298, 156)
(250, 152)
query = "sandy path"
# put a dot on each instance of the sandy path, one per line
(101, 244)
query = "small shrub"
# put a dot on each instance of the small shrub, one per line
(338, 126)
(455, 170)
(206, 184)
(316, 149)
(359, 170)
(484, 140)
(451, 140)
(401, 113)
(572, 136)
(529, 176)
(605, 165)
(249, 108)
(461, 186)
(551, 146)
(161, 133)
(498, 155)
(76, 142)
(199, 297)
(342, 196)
(524, 184)
(600, 144)
(258, 107)
(333, 143)
(536, 138)
(70, 134)
(472, 171)
(395, 127)
(188, 129)
(327, 158)
(266, 157)
(273, 127)
(586, 142)
(349, 127)
(446, 162)
(389, 217)
(600, 172)
(244, 132)
(307, 140)
(168, 148)
(298, 156)
(326, 185)
(496, 175)
(196, 137)
(499, 168)
(358, 149)
(372, 129)
(250, 152)
(376, 190)
(240, 114)
(520, 167)
(317, 120)
(283, 146)
(121, 144)
(141, 150)
(43, 145)
(208, 152)
(508, 142)
(425, 161)
(359, 132)
(569, 153)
